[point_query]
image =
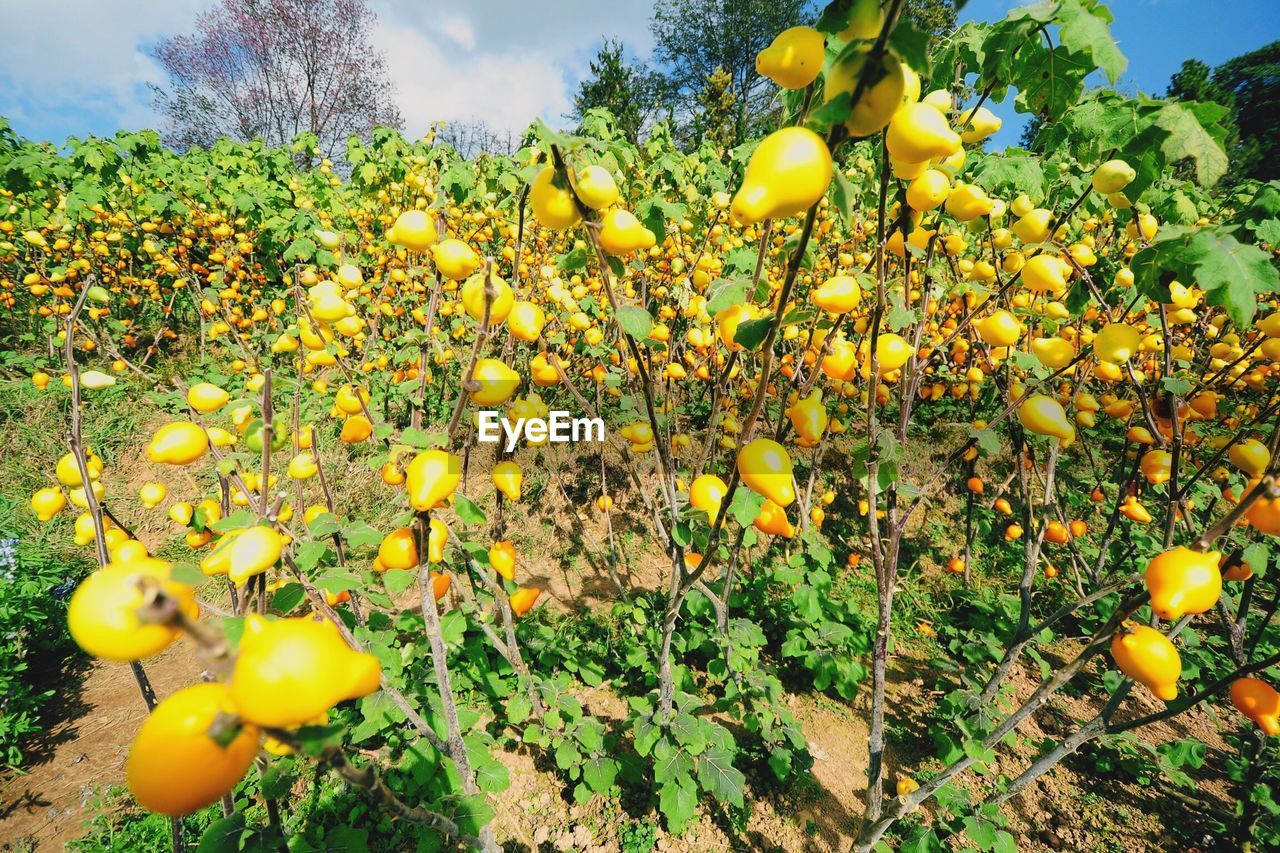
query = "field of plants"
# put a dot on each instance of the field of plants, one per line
(934, 509)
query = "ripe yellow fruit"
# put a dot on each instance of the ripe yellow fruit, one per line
(1157, 466)
(176, 766)
(706, 493)
(809, 418)
(966, 202)
(1043, 274)
(929, 190)
(1001, 329)
(595, 187)
(1250, 456)
(980, 125)
(151, 494)
(552, 202)
(1044, 415)
(292, 670)
(1116, 342)
(413, 230)
(497, 382)
(103, 613)
(455, 259)
(839, 294)
(1149, 658)
(507, 478)
(502, 556)
(398, 550)
(48, 502)
(773, 520)
(1183, 581)
(621, 233)
(788, 173)
(303, 466)
(1113, 176)
(1033, 226)
(1258, 701)
(526, 320)
(918, 132)
(68, 470)
(1054, 353)
(892, 352)
(879, 101)
(177, 443)
(473, 298)
(431, 479)
(794, 59)
(766, 469)
(522, 600)
(206, 398)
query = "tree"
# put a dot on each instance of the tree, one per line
(1250, 86)
(716, 119)
(935, 17)
(273, 69)
(696, 38)
(631, 91)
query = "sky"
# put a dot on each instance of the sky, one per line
(82, 66)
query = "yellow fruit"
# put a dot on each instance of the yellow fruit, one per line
(103, 613)
(206, 398)
(1044, 415)
(303, 466)
(1147, 656)
(290, 671)
(839, 294)
(1156, 466)
(497, 382)
(552, 202)
(455, 259)
(1001, 329)
(929, 190)
(507, 478)
(48, 502)
(152, 494)
(788, 173)
(966, 202)
(178, 443)
(595, 187)
(526, 321)
(773, 520)
(1258, 701)
(431, 479)
(892, 352)
(1033, 226)
(1113, 176)
(621, 233)
(766, 469)
(728, 320)
(1250, 456)
(68, 470)
(794, 59)
(522, 600)
(399, 550)
(879, 101)
(706, 493)
(413, 230)
(502, 556)
(473, 298)
(918, 132)
(176, 766)
(1116, 342)
(1043, 274)
(980, 125)
(1054, 353)
(356, 429)
(809, 419)
(1183, 581)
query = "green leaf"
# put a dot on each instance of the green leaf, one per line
(361, 535)
(287, 597)
(677, 800)
(719, 777)
(725, 292)
(635, 321)
(338, 580)
(1086, 29)
(310, 554)
(751, 333)
(1233, 275)
(223, 836)
(467, 510)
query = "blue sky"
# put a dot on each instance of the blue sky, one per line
(1156, 36)
(82, 66)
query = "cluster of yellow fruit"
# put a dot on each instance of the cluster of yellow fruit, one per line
(199, 742)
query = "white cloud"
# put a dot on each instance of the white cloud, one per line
(460, 31)
(507, 92)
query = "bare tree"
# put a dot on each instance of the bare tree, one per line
(475, 136)
(273, 69)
